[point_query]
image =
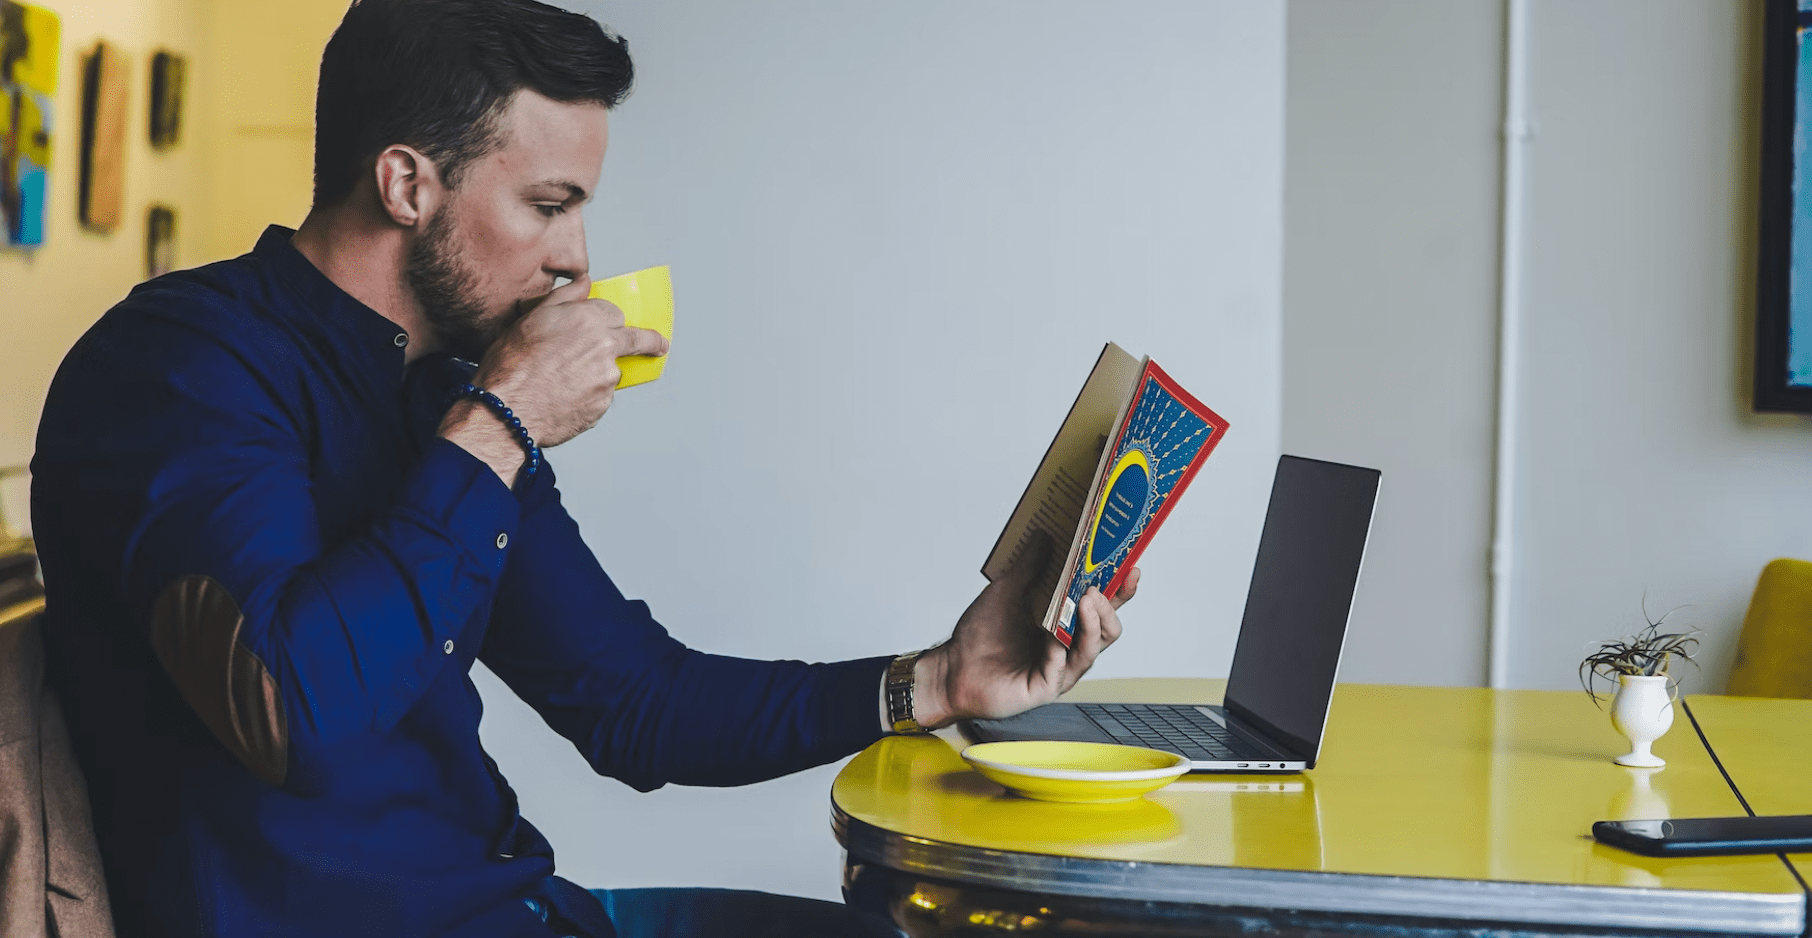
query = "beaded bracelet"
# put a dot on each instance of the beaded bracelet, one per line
(509, 418)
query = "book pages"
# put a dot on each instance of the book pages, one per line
(1054, 500)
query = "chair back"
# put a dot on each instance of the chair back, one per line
(50, 867)
(1774, 652)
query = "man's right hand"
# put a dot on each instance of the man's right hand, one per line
(556, 368)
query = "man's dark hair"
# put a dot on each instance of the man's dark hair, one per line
(435, 75)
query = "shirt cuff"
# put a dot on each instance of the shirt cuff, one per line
(847, 725)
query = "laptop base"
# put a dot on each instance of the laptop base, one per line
(1135, 725)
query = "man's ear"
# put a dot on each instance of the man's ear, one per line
(408, 185)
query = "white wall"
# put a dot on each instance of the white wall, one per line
(1640, 468)
(899, 236)
(1390, 276)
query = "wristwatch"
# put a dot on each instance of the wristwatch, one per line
(899, 694)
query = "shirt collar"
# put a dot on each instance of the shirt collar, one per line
(347, 322)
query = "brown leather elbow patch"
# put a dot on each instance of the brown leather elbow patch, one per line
(195, 627)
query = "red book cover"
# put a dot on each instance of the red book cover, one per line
(1163, 438)
(1128, 447)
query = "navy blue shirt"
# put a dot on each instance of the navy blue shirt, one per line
(267, 582)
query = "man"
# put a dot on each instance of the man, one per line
(281, 514)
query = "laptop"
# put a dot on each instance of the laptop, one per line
(1276, 705)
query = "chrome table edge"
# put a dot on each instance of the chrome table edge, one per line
(1612, 907)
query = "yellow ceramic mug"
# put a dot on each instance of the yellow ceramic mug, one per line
(646, 299)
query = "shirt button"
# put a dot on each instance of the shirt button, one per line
(448, 647)
(503, 540)
(402, 339)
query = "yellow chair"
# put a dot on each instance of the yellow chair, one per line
(1774, 653)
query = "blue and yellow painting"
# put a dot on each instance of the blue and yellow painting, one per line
(28, 84)
(1799, 318)
(1163, 441)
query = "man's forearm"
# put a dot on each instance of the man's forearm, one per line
(476, 430)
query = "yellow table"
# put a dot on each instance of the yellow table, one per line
(1431, 807)
(1765, 746)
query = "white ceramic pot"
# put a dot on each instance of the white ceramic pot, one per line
(1642, 710)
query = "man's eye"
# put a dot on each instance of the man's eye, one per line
(551, 210)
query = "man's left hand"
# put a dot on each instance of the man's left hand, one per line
(999, 662)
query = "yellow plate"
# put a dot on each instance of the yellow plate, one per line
(646, 299)
(1075, 772)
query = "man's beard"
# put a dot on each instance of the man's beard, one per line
(447, 292)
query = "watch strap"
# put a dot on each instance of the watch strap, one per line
(899, 694)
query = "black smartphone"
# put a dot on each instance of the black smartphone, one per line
(1709, 836)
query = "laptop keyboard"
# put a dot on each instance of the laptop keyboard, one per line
(1180, 729)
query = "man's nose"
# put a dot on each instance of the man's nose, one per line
(571, 258)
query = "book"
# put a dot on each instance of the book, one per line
(1127, 450)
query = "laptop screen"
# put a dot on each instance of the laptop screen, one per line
(1301, 593)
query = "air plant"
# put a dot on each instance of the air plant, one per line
(1648, 652)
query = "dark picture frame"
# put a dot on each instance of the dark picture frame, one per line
(169, 73)
(160, 240)
(1783, 353)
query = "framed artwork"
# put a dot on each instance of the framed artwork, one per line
(160, 241)
(1783, 335)
(101, 193)
(167, 79)
(28, 85)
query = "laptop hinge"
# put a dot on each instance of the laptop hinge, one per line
(1246, 732)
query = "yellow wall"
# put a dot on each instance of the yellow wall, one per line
(261, 136)
(244, 162)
